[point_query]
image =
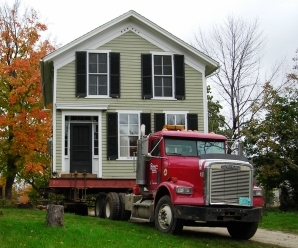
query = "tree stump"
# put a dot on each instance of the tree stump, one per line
(55, 215)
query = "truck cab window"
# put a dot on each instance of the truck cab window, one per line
(182, 147)
(208, 147)
(156, 151)
(191, 147)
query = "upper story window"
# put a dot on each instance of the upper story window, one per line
(98, 74)
(163, 76)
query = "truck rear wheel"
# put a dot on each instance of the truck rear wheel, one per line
(242, 230)
(164, 217)
(112, 206)
(124, 214)
(99, 205)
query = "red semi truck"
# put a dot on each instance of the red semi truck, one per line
(183, 178)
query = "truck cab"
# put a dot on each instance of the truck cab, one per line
(186, 178)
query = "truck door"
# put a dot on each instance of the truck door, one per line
(154, 165)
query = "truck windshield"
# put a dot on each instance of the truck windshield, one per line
(193, 147)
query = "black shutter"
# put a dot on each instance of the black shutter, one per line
(112, 136)
(146, 76)
(146, 120)
(81, 74)
(192, 121)
(179, 77)
(159, 122)
(115, 75)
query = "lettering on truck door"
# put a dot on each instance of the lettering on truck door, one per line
(155, 165)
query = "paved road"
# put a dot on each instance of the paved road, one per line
(262, 236)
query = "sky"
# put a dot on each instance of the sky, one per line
(70, 19)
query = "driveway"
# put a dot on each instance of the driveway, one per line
(262, 236)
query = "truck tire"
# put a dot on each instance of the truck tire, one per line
(124, 214)
(99, 205)
(164, 217)
(112, 206)
(242, 230)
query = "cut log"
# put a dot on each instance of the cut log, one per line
(55, 215)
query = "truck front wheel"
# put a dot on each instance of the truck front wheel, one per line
(242, 230)
(164, 217)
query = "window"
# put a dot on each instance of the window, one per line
(208, 147)
(163, 76)
(163, 79)
(188, 147)
(95, 139)
(155, 147)
(123, 132)
(190, 121)
(128, 134)
(182, 147)
(98, 74)
(66, 139)
(176, 119)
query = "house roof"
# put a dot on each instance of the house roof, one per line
(211, 64)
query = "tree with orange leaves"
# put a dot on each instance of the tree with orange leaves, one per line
(24, 126)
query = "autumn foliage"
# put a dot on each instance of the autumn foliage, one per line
(24, 126)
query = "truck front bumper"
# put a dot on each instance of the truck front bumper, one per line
(218, 214)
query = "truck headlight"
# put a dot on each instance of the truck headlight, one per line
(183, 190)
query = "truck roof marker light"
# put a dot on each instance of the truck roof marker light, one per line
(173, 128)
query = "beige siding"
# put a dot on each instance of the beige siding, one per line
(130, 46)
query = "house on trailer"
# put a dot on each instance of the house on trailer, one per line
(105, 84)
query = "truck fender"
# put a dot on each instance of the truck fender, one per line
(169, 188)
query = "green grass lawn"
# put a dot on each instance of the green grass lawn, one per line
(274, 219)
(27, 228)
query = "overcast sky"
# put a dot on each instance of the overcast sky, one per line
(70, 19)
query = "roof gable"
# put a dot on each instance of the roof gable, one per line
(132, 21)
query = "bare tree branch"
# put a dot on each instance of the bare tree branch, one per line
(237, 45)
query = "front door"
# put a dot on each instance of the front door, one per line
(81, 147)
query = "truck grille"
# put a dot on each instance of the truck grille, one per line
(230, 186)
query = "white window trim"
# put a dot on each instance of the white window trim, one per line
(108, 73)
(177, 113)
(153, 83)
(139, 130)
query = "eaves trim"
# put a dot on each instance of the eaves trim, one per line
(76, 106)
